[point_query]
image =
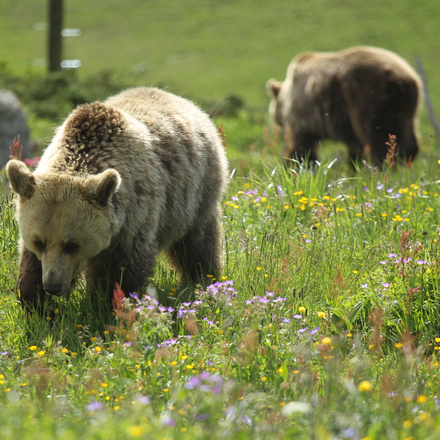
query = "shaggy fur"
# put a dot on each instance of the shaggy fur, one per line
(122, 180)
(357, 96)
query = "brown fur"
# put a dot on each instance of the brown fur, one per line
(122, 180)
(357, 96)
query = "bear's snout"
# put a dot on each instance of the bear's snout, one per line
(52, 289)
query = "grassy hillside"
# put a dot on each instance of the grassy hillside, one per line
(206, 49)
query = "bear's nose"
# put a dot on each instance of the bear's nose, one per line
(52, 289)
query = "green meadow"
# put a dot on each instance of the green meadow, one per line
(325, 322)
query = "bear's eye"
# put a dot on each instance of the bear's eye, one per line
(71, 248)
(39, 245)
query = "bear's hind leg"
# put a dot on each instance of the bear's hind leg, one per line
(30, 279)
(199, 253)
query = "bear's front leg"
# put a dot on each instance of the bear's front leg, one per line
(30, 279)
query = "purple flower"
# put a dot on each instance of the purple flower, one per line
(263, 300)
(307, 240)
(162, 309)
(4, 353)
(278, 299)
(186, 304)
(94, 406)
(389, 190)
(128, 344)
(365, 188)
(286, 320)
(200, 417)
(380, 186)
(364, 286)
(168, 421)
(392, 255)
(315, 330)
(234, 198)
(246, 420)
(382, 262)
(193, 382)
(397, 196)
(170, 309)
(134, 295)
(297, 316)
(249, 301)
(302, 330)
(386, 284)
(143, 399)
(180, 314)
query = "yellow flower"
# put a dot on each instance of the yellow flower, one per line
(407, 424)
(104, 385)
(286, 206)
(280, 370)
(384, 214)
(349, 335)
(398, 345)
(321, 315)
(301, 309)
(190, 367)
(116, 408)
(264, 378)
(365, 386)
(359, 214)
(136, 431)
(422, 399)
(326, 341)
(64, 350)
(165, 390)
(258, 268)
(73, 354)
(97, 349)
(41, 353)
(33, 347)
(437, 339)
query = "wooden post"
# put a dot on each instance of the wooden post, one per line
(55, 38)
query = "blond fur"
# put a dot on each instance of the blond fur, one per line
(122, 180)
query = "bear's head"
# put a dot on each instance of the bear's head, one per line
(63, 219)
(273, 90)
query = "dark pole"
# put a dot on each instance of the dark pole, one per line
(55, 27)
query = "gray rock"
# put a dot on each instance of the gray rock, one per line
(12, 123)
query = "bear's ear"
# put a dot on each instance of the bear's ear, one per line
(21, 179)
(100, 188)
(273, 87)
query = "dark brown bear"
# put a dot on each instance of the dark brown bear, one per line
(358, 96)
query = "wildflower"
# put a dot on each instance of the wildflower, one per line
(136, 431)
(321, 315)
(300, 317)
(407, 424)
(286, 320)
(326, 341)
(301, 309)
(97, 349)
(315, 330)
(398, 345)
(33, 347)
(94, 406)
(364, 286)
(41, 353)
(422, 399)
(263, 379)
(386, 285)
(64, 350)
(365, 386)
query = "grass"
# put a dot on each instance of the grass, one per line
(325, 322)
(324, 325)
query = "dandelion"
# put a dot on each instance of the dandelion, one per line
(41, 353)
(33, 347)
(263, 379)
(136, 431)
(365, 386)
(422, 399)
(64, 350)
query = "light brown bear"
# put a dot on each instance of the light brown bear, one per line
(357, 96)
(142, 172)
